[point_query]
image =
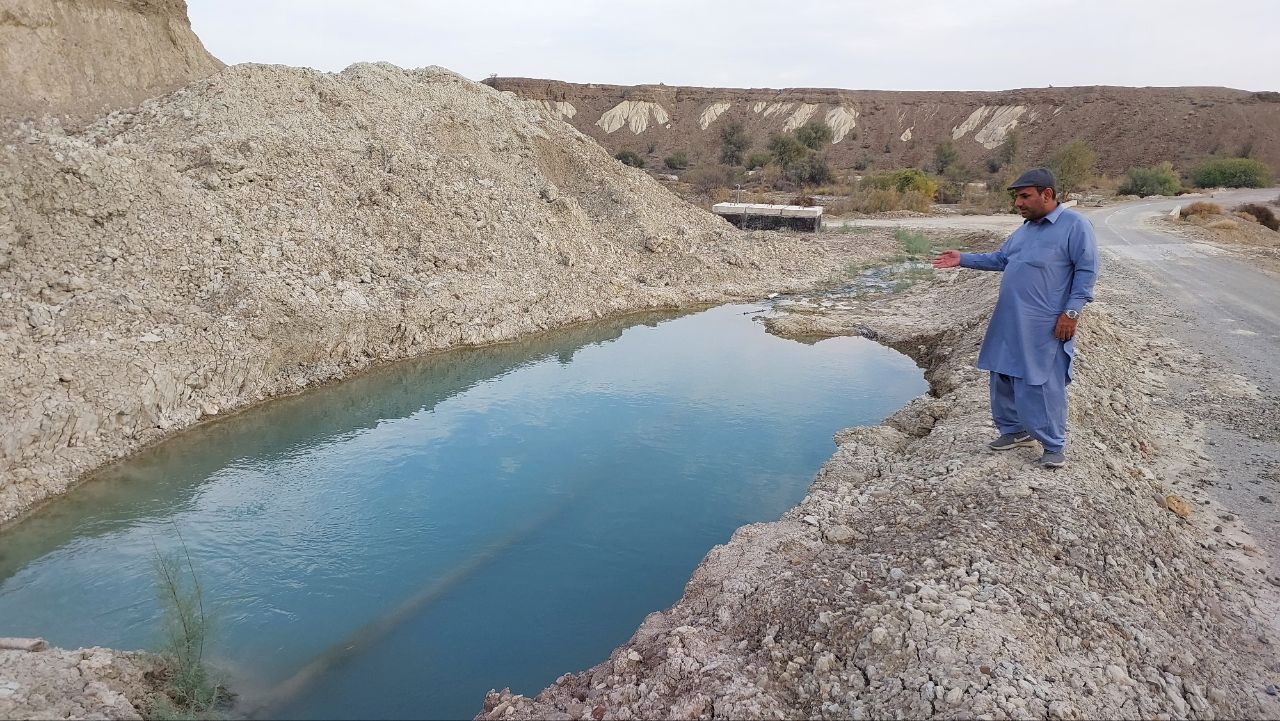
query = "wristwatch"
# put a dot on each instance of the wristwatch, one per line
(1072, 314)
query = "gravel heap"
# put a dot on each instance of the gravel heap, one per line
(924, 576)
(89, 683)
(269, 228)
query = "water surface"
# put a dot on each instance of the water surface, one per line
(398, 544)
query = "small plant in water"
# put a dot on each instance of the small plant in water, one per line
(188, 691)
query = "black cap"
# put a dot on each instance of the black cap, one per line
(1035, 178)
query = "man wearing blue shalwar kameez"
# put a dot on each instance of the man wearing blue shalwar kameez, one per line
(1049, 266)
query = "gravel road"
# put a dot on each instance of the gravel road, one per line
(1212, 300)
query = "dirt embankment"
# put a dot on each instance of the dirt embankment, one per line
(80, 58)
(891, 129)
(271, 228)
(926, 577)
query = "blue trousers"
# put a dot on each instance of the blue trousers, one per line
(1039, 410)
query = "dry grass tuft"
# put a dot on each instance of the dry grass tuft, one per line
(1201, 207)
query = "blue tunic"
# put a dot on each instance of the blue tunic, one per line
(1049, 266)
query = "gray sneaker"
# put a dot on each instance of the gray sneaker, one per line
(1053, 460)
(1011, 440)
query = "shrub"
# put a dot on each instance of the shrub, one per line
(880, 200)
(630, 157)
(1159, 180)
(994, 165)
(188, 690)
(1200, 207)
(906, 180)
(813, 134)
(810, 169)
(1262, 213)
(915, 200)
(678, 160)
(734, 141)
(708, 178)
(950, 192)
(758, 160)
(1231, 173)
(913, 243)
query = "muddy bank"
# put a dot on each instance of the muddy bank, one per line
(924, 576)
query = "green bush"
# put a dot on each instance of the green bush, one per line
(903, 181)
(913, 243)
(813, 134)
(678, 160)
(1231, 173)
(734, 141)
(630, 157)
(811, 170)
(758, 160)
(1161, 179)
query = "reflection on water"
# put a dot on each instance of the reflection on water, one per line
(396, 545)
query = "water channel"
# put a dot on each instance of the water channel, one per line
(395, 545)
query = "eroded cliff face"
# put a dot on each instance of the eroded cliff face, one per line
(885, 129)
(82, 58)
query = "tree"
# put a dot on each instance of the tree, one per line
(678, 160)
(734, 141)
(813, 134)
(1072, 166)
(786, 149)
(944, 156)
(1008, 150)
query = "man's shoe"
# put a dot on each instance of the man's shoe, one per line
(1053, 460)
(1011, 440)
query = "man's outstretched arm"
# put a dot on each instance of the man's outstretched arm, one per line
(977, 261)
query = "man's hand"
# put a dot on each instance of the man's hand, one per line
(1065, 329)
(948, 259)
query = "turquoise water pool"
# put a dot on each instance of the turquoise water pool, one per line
(395, 545)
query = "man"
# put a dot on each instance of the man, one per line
(1049, 265)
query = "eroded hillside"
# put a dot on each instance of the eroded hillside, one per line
(58, 57)
(883, 129)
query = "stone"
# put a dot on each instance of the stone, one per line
(1177, 505)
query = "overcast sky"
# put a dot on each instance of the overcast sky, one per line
(855, 44)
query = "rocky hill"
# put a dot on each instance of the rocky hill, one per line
(885, 129)
(80, 58)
